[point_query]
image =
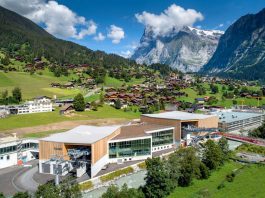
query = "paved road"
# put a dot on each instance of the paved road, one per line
(8, 178)
(92, 92)
(252, 157)
(25, 180)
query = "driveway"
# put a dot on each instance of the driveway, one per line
(9, 183)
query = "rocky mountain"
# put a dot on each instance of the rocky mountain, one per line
(241, 50)
(186, 50)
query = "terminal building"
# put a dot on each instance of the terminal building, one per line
(88, 149)
(234, 121)
(15, 151)
(182, 121)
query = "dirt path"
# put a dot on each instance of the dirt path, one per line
(65, 125)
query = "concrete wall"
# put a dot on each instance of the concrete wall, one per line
(96, 167)
(161, 148)
(4, 162)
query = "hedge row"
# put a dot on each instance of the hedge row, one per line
(142, 165)
(115, 174)
(86, 185)
(251, 148)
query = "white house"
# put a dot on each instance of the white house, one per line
(38, 105)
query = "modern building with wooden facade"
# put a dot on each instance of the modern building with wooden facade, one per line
(181, 121)
(88, 149)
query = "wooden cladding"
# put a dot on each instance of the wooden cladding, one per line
(100, 148)
(49, 150)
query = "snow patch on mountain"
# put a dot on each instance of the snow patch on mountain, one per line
(186, 50)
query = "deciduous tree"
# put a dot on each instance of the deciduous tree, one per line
(79, 102)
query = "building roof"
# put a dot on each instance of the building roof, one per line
(83, 134)
(231, 116)
(179, 115)
(138, 130)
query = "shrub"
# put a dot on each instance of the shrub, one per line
(115, 174)
(204, 171)
(230, 177)
(251, 148)
(86, 185)
(142, 165)
(203, 193)
(220, 186)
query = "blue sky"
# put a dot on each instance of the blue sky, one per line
(83, 20)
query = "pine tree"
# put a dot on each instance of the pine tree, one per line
(17, 95)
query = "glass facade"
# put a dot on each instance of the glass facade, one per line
(162, 138)
(11, 149)
(130, 148)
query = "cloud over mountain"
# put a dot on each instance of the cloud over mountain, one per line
(57, 19)
(174, 17)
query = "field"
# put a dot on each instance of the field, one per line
(42, 134)
(34, 85)
(192, 94)
(113, 82)
(248, 182)
(30, 120)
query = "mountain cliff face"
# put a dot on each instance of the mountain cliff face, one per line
(186, 50)
(241, 50)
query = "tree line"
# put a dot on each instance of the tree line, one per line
(165, 175)
(15, 98)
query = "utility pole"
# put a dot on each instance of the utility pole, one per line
(258, 101)
(242, 103)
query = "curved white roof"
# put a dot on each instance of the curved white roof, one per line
(83, 134)
(179, 115)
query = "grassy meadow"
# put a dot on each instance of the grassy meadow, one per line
(192, 94)
(248, 182)
(30, 120)
(34, 85)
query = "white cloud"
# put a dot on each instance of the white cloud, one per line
(58, 19)
(116, 34)
(133, 45)
(173, 17)
(126, 54)
(99, 37)
(91, 29)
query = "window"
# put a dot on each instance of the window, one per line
(7, 157)
(130, 148)
(1, 157)
(162, 138)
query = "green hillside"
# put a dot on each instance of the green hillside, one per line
(249, 182)
(20, 36)
(34, 85)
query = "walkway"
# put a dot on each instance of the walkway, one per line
(240, 138)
